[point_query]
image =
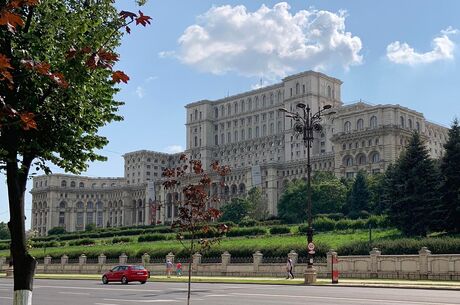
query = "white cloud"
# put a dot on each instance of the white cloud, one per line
(151, 79)
(269, 42)
(140, 92)
(443, 49)
(261, 84)
(174, 149)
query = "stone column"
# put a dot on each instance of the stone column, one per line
(225, 258)
(101, 259)
(170, 257)
(257, 260)
(196, 259)
(423, 262)
(2, 262)
(329, 259)
(145, 259)
(374, 267)
(64, 260)
(123, 259)
(293, 256)
(46, 263)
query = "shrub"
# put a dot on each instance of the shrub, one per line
(248, 222)
(162, 229)
(80, 242)
(343, 224)
(117, 240)
(324, 224)
(151, 237)
(5, 246)
(56, 231)
(46, 244)
(333, 216)
(358, 224)
(379, 221)
(246, 231)
(279, 230)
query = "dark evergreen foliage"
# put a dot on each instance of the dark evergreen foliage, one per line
(412, 190)
(450, 169)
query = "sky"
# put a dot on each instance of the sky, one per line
(398, 52)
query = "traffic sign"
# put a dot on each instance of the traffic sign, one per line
(311, 246)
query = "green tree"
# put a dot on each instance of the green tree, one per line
(328, 196)
(90, 227)
(258, 207)
(358, 198)
(57, 89)
(4, 232)
(412, 190)
(56, 231)
(235, 210)
(376, 185)
(450, 169)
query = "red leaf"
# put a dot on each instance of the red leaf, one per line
(28, 120)
(93, 61)
(12, 20)
(71, 53)
(120, 76)
(59, 79)
(142, 19)
(4, 67)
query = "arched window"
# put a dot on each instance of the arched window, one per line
(297, 88)
(249, 133)
(242, 105)
(361, 159)
(63, 183)
(62, 205)
(348, 161)
(99, 205)
(80, 205)
(72, 184)
(216, 112)
(250, 104)
(222, 110)
(279, 97)
(272, 98)
(264, 101)
(89, 206)
(373, 122)
(329, 92)
(216, 140)
(81, 184)
(196, 141)
(347, 126)
(410, 123)
(196, 114)
(235, 138)
(417, 125)
(235, 107)
(360, 124)
(401, 121)
(257, 102)
(375, 157)
(229, 109)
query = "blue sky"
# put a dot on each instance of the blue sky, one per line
(401, 52)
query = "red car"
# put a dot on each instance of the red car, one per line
(126, 274)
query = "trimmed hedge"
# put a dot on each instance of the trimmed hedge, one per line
(84, 241)
(117, 240)
(324, 224)
(151, 237)
(279, 230)
(443, 245)
(251, 231)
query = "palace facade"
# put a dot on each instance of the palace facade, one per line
(248, 133)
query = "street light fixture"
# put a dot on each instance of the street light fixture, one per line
(305, 124)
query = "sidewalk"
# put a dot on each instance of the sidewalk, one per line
(382, 283)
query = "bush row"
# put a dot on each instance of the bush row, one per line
(323, 224)
(80, 242)
(442, 245)
(117, 240)
(279, 230)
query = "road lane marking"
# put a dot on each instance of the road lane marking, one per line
(215, 295)
(79, 293)
(141, 301)
(9, 298)
(99, 288)
(386, 301)
(104, 304)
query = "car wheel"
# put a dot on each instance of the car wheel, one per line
(105, 280)
(142, 282)
(124, 280)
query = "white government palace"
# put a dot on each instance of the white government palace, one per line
(247, 132)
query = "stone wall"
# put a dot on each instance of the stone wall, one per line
(422, 266)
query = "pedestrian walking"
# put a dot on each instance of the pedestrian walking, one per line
(179, 269)
(289, 266)
(169, 266)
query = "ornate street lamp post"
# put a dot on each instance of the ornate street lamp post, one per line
(305, 124)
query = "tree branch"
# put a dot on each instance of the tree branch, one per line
(29, 19)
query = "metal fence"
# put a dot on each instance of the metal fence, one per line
(241, 260)
(211, 260)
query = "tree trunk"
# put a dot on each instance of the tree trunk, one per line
(23, 264)
(189, 279)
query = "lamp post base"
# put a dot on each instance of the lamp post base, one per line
(310, 276)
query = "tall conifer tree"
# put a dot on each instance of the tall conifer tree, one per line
(358, 200)
(412, 190)
(450, 169)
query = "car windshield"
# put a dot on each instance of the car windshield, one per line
(137, 268)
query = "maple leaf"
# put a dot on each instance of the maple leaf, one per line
(11, 20)
(59, 79)
(4, 67)
(142, 19)
(120, 76)
(93, 61)
(28, 120)
(42, 68)
(71, 53)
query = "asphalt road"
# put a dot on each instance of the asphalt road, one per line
(86, 292)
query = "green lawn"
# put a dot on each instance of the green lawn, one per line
(241, 246)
